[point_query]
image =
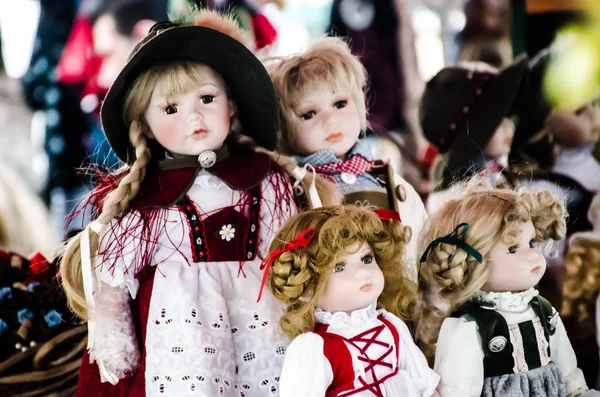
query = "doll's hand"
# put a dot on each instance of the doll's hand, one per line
(115, 348)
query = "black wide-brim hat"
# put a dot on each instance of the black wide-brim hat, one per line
(461, 108)
(248, 81)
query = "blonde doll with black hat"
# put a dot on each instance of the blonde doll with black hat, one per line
(478, 311)
(465, 113)
(168, 273)
(323, 114)
(339, 271)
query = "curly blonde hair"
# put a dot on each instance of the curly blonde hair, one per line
(449, 276)
(582, 284)
(326, 63)
(298, 277)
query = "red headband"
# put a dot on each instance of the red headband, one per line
(388, 215)
(299, 242)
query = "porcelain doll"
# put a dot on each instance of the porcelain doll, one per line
(167, 275)
(323, 112)
(339, 272)
(495, 335)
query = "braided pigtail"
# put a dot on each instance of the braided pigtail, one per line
(115, 204)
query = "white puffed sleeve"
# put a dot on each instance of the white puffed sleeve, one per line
(306, 371)
(277, 206)
(413, 361)
(563, 355)
(115, 347)
(413, 214)
(459, 359)
(110, 285)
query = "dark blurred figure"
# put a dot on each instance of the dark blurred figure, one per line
(535, 22)
(67, 79)
(486, 35)
(65, 124)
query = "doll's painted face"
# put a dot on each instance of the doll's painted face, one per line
(501, 141)
(189, 123)
(356, 282)
(574, 129)
(328, 119)
(516, 267)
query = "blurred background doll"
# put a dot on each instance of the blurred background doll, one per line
(167, 275)
(466, 113)
(478, 310)
(339, 272)
(581, 294)
(324, 115)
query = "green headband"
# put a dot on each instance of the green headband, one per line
(453, 238)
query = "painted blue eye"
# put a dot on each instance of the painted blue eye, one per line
(531, 244)
(512, 250)
(367, 259)
(338, 268)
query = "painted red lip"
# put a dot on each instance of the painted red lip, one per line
(199, 133)
(536, 269)
(366, 287)
(335, 137)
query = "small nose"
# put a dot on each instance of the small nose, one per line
(331, 123)
(194, 116)
(533, 255)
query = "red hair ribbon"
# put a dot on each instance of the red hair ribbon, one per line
(299, 242)
(388, 215)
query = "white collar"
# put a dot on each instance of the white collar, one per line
(505, 301)
(356, 318)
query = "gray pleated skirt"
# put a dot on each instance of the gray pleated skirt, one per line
(546, 381)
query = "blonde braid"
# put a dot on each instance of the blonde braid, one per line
(114, 205)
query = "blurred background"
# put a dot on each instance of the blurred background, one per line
(60, 56)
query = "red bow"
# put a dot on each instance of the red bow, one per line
(299, 242)
(356, 165)
(388, 215)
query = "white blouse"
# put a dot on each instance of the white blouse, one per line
(459, 356)
(307, 372)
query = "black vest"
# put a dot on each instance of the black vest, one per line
(495, 337)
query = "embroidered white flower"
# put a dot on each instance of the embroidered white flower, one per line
(198, 241)
(253, 228)
(227, 232)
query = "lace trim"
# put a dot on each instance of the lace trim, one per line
(505, 301)
(542, 343)
(518, 349)
(342, 319)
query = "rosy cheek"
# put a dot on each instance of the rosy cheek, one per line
(165, 131)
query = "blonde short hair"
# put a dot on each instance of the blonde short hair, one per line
(327, 63)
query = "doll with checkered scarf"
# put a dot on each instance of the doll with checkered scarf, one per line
(323, 111)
